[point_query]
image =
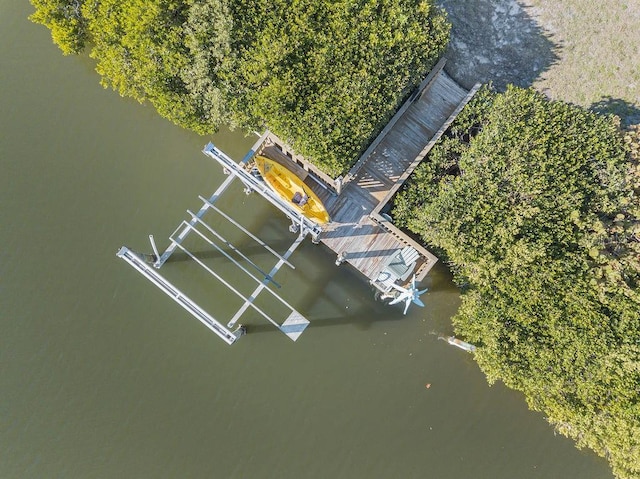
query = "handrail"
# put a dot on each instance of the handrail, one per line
(427, 82)
(332, 184)
(445, 126)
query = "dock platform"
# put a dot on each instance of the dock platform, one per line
(359, 233)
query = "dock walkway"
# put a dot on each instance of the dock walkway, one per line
(358, 233)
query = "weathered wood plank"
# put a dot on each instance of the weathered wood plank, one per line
(358, 233)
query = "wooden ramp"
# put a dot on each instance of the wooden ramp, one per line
(358, 233)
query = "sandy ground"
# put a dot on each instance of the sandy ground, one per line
(581, 51)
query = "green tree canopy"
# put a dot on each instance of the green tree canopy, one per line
(65, 20)
(536, 205)
(323, 74)
(165, 51)
(327, 75)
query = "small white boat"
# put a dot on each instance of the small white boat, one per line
(458, 343)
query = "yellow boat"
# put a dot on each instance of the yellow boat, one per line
(291, 188)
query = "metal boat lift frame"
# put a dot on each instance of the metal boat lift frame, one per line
(295, 323)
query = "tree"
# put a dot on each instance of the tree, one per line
(65, 20)
(207, 37)
(165, 51)
(325, 75)
(536, 205)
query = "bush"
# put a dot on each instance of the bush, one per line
(541, 220)
(325, 75)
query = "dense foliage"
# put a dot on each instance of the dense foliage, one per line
(535, 204)
(323, 74)
(65, 20)
(327, 75)
(170, 53)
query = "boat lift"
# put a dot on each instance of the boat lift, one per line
(295, 323)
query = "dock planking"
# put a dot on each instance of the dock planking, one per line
(357, 233)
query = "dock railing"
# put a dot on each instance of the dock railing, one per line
(425, 151)
(428, 80)
(428, 258)
(332, 184)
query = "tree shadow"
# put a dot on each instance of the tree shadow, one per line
(497, 41)
(629, 114)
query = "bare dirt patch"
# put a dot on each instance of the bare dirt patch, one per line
(579, 51)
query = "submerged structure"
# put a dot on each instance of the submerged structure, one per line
(356, 226)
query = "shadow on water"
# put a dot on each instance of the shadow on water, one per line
(498, 41)
(347, 299)
(629, 114)
(363, 319)
(251, 251)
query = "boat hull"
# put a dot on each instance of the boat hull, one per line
(292, 189)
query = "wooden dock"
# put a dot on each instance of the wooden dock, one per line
(359, 233)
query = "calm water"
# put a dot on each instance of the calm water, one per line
(101, 376)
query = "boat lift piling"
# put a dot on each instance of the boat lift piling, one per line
(247, 232)
(265, 282)
(233, 248)
(179, 297)
(360, 232)
(295, 323)
(306, 225)
(185, 231)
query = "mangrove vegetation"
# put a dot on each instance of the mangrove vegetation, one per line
(325, 75)
(533, 203)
